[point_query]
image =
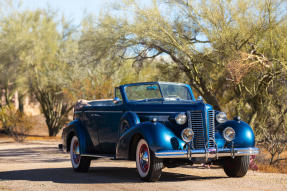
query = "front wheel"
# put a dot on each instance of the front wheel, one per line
(236, 167)
(79, 163)
(148, 166)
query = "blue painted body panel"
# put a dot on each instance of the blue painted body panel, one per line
(76, 127)
(244, 136)
(98, 127)
(131, 117)
(158, 136)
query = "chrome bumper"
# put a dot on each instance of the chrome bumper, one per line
(209, 153)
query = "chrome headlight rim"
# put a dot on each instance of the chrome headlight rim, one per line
(183, 136)
(181, 118)
(221, 117)
(227, 137)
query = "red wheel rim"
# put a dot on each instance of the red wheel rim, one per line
(144, 158)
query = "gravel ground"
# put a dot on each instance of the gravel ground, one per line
(39, 165)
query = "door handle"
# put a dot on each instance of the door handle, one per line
(95, 115)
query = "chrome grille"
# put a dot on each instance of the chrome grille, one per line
(211, 132)
(198, 129)
(195, 120)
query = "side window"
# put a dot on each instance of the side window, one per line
(118, 93)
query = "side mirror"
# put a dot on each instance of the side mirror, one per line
(199, 98)
(116, 100)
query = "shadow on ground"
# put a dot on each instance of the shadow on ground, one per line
(32, 155)
(95, 175)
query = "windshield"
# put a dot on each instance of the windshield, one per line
(175, 92)
(152, 92)
(143, 92)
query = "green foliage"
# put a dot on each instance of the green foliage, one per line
(36, 58)
(14, 123)
(230, 52)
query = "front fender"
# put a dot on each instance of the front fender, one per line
(244, 135)
(157, 135)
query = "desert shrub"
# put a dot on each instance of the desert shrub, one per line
(14, 123)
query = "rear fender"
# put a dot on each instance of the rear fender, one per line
(77, 128)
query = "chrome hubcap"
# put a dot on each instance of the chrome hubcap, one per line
(76, 152)
(144, 158)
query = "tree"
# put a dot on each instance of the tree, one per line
(38, 58)
(230, 52)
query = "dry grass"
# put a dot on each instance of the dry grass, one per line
(262, 161)
(43, 138)
(5, 188)
(32, 138)
(281, 168)
(39, 131)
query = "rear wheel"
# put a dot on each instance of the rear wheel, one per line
(148, 166)
(236, 167)
(79, 163)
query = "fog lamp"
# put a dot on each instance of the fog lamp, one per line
(229, 134)
(187, 135)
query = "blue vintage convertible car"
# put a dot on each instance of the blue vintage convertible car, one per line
(157, 124)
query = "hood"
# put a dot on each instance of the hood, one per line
(168, 106)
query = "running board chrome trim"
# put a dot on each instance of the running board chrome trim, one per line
(98, 156)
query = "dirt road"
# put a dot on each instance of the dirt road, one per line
(41, 166)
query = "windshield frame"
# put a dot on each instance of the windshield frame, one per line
(159, 85)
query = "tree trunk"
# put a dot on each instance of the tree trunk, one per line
(52, 131)
(16, 100)
(53, 108)
(21, 103)
(211, 99)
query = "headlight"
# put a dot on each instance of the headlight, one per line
(187, 135)
(229, 134)
(180, 118)
(221, 117)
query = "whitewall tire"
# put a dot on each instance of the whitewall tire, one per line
(79, 163)
(148, 166)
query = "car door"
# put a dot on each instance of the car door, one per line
(108, 133)
(92, 120)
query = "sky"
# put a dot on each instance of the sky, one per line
(72, 9)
